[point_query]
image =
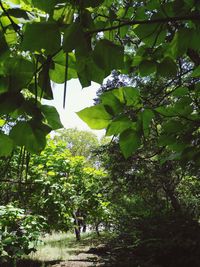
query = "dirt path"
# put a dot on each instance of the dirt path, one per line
(62, 250)
(82, 258)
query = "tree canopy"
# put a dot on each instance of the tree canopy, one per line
(44, 42)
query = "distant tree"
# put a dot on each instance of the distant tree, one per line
(78, 142)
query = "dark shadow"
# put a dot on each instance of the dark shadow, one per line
(89, 259)
(29, 263)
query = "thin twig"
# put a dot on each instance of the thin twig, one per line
(14, 25)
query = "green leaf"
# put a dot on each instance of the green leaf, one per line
(131, 95)
(6, 145)
(183, 106)
(167, 68)
(3, 44)
(52, 116)
(173, 126)
(165, 140)
(20, 72)
(119, 94)
(183, 39)
(129, 142)
(108, 56)
(151, 34)
(119, 125)
(136, 60)
(57, 69)
(4, 84)
(166, 110)
(171, 142)
(111, 102)
(73, 37)
(9, 102)
(17, 2)
(96, 117)
(92, 3)
(45, 5)
(45, 83)
(196, 72)
(181, 91)
(18, 13)
(88, 71)
(33, 137)
(2, 122)
(41, 35)
(147, 67)
(147, 116)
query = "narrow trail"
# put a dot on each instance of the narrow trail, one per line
(80, 259)
(62, 250)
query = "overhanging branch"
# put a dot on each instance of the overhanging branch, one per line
(149, 21)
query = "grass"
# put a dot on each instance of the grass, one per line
(62, 246)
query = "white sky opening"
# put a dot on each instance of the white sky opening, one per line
(76, 99)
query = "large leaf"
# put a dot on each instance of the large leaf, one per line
(108, 56)
(9, 102)
(52, 117)
(167, 68)
(183, 39)
(31, 136)
(92, 3)
(132, 96)
(57, 71)
(129, 142)
(119, 125)
(111, 103)
(147, 67)
(196, 72)
(73, 37)
(20, 72)
(173, 126)
(181, 91)
(41, 35)
(45, 5)
(88, 71)
(6, 145)
(96, 117)
(45, 83)
(18, 13)
(3, 44)
(147, 116)
(151, 34)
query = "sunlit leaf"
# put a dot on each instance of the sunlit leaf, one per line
(6, 145)
(129, 142)
(96, 117)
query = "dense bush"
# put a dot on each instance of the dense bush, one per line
(19, 232)
(170, 240)
(161, 241)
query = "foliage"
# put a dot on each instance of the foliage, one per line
(147, 38)
(19, 232)
(80, 143)
(65, 183)
(153, 118)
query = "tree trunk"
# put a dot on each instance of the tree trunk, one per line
(77, 233)
(84, 228)
(97, 229)
(77, 227)
(174, 201)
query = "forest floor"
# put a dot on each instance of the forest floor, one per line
(62, 250)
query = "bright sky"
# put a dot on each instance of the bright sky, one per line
(76, 99)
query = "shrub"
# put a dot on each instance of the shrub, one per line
(19, 232)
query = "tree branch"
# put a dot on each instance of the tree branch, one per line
(149, 21)
(14, 25)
